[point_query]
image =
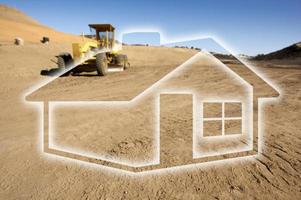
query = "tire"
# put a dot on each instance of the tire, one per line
(122, 60)
(126, 65)
(101, 64)
(62, 64)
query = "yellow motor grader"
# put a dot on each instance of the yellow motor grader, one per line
(101, 45)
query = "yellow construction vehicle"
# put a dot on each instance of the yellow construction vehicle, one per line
(101, 48)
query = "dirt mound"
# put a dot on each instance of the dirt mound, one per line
(18, 24)
(293, 51)
(12, 14)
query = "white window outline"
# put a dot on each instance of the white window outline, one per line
(223, 118)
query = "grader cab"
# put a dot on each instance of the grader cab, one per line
(102, 38)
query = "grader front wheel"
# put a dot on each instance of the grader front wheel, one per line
(63, 62)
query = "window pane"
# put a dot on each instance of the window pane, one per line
(212, 110)
(233, 109)
(232, 127)
(212, 128)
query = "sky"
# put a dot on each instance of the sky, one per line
(248, 26)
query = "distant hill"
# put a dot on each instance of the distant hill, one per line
(222, 56)
(290, 52)
(12, 14)
(15, 23)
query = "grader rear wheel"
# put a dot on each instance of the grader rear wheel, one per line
(122, 60)
(101, 64)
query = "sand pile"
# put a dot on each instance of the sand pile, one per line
(17, 24)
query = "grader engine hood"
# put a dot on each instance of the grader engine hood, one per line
(79, 49)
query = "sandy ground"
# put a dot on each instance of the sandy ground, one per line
(26, 172)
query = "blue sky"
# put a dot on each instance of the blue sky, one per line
(250, 26)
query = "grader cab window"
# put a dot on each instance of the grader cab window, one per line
(105, 34)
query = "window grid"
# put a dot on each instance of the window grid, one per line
(223, 118)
